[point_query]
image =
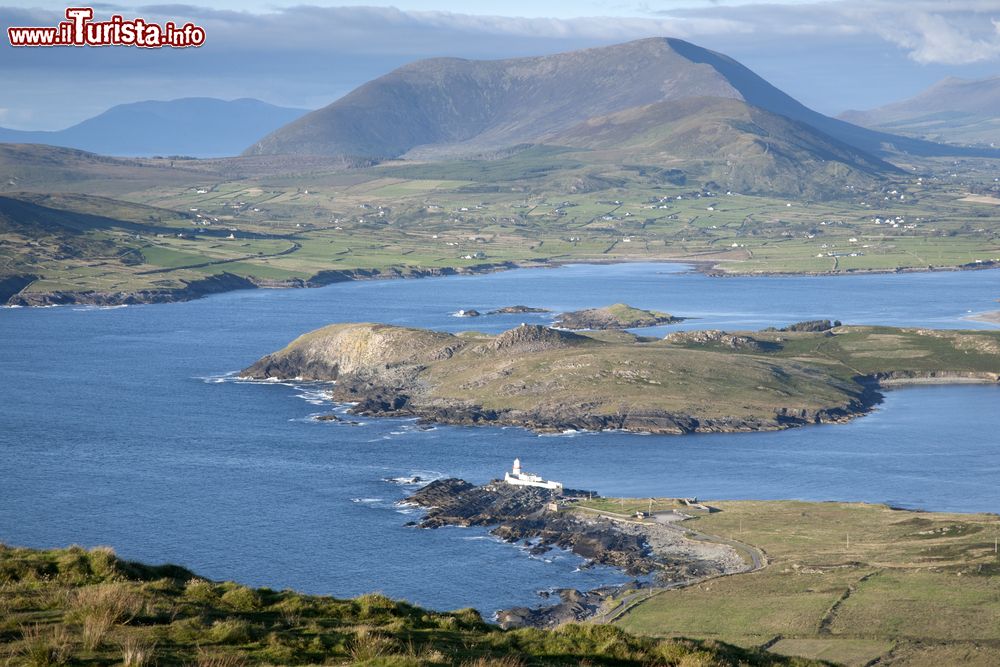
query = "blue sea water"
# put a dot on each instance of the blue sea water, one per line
(125, 427)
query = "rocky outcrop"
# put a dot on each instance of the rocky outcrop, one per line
(370, 355)
(617, 316)
(898, 378)
(522, 514)
(812, 326)
(11, 285)
(573, 606)
(516, 310)
(535, 338)
(720, 338)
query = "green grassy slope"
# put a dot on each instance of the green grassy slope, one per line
(72, 606)
(851, 583)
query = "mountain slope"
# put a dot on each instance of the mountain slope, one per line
(953, 110)
(741, 147)
(196, 126)
(450, 106)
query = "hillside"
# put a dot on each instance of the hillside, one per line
(73, 606)
(691, 382)
(195, 126)
(953, 110)
(451, 106)
(741, 147)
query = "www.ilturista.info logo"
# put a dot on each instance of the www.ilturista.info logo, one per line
(79, 29)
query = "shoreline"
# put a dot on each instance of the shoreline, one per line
(658, 549)
(228, 282)
(871, 398)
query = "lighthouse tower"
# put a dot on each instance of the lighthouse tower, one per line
(517, 467)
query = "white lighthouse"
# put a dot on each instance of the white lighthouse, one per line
(518, 477)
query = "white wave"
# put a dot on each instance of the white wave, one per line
(219, 378)
(366, 501)
(416, 478)
(90, 309)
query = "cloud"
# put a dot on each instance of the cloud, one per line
(936, 38)
(928, 31)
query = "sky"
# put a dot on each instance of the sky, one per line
(832, 55)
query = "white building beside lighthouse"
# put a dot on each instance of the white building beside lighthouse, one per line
(518, 477)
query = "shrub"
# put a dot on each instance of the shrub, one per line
(505, 661)
(119, 601)
(103, 562)
(45, 647)
(372, 605)
(199, 590)
(242, 598)
(186, 630)
(231, 631)
(96, 624)
(368, 645)
(137, 652)
(218, 659)
(74, 565)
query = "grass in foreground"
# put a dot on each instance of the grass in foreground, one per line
(73, 606)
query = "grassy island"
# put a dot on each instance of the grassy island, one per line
(699, 381)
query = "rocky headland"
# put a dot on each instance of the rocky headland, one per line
(545, 519)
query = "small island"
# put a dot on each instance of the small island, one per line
(993, 317)
(690, 382)
(517, 310)
(617, 316)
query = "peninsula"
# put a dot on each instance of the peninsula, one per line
(690, 382)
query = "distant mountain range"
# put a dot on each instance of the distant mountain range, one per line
(194, 126)
(953, 110)
(447, 106)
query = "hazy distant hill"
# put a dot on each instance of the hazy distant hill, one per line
(952, 110)
(195, 126)
(452, 106)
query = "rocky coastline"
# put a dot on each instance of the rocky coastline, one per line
(12, 289)
(544, 519)
(227, 282)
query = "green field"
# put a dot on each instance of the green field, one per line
(540, 204)
(848, 583)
